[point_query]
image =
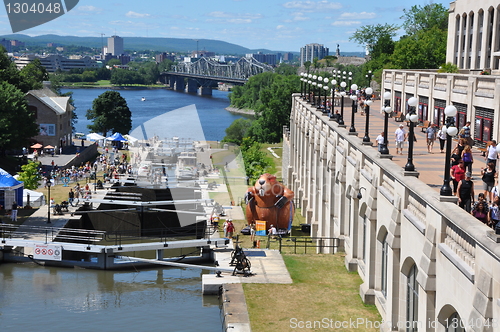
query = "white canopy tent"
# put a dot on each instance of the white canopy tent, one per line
(36, 199)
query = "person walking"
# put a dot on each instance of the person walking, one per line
(465, 133)
(488, 176)
(380, 141)
(71, 196)
(468, 158)
(441, 135)
(465, 192)
(13, 213)
(400, 137)
(457, 174)
(492, 154)
(230, 229)
(430, 133)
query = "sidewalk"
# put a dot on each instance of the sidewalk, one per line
(429, 165)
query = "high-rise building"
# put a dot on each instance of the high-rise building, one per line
(115, 45)
(311, 52)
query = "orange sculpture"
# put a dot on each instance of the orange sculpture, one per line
(271, 201)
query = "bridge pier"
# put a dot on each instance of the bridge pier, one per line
(177, 83)
(204, 91)
(192, 86)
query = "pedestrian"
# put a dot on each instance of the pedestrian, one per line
(380, 141)
(465, 133)
(441, 135)
(488, 176)
(495, 213)
(468, 158)
(230, 229)
(455, 157)
(492, 154)
(224, 227)
(465, 192)
(481, 214)
(457, 174)
(400, 137)
(252, 235)
(272, 232)
(71, 196)
(431, 137)
(13, 213)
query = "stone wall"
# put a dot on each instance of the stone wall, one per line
(398, 229)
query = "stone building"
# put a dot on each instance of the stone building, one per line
(53, 115)
(424, 262)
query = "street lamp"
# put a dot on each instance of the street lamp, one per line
(449, 128)
(48, 183)
(354, 98)
(368, 102)
(412, 118)
(387, 111)
(301, 85)
(326, 87)
(332, 106)
(309, 83)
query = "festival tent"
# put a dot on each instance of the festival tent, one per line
(11, 188)
(116, 137)
(36, 146)
(95, 137)
(131, 140)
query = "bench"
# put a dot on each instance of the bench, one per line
(424, 125)
(399, 117)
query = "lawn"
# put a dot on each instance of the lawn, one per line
(322, 297)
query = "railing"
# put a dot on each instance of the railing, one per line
(49, 234)
(303, 243)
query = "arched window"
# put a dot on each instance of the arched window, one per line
(412, 300)
(384, 263)
(454, 323)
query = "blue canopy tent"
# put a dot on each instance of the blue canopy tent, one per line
(10, 190)
(117, 139)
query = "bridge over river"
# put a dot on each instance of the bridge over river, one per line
(205, 74)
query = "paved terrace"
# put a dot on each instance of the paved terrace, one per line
(429, 165)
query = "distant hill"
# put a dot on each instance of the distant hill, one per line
(142, 43)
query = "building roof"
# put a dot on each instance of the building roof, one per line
(51, 99)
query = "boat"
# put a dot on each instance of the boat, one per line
(143, 99)
(186, 168)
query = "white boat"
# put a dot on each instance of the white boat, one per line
(143, 99)
(186, 166)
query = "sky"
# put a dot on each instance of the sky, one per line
(269, 24)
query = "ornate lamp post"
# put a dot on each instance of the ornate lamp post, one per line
(48, 183)
(354, 99)
(332, 106)
(302, 86)
(309, 82)
(449, 128)
(387, 111)
(412, 118)
(326, 88)
(368, 102)
(314, 83)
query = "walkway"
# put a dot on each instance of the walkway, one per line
(429, 165)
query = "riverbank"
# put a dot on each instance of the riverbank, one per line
(240, 111)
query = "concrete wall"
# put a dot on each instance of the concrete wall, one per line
(457, 257)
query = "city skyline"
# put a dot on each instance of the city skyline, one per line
(256, 24)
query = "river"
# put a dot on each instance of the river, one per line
(211, 113)
(36, 298)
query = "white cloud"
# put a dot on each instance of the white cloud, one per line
(345, 23)
(312, 5)
(279, 27)
(89, 9)
(136, 15)
(223, 17)
(362, 15)
(300, 17)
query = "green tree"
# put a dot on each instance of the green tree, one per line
(255, 160)
(430, 16)
(30, 175)
(369, 35)
(17, 123)
(426, 49)
(237, 131)
(32, 76)
(110, 113)
(114, 62)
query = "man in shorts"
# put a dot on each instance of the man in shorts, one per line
(431, 137)
(400, 136)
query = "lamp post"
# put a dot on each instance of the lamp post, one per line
(412, 118)
(326, 87)
(48, 183)
(449, 128)
(309, 83)
(313, 83)
(301, 85)
(332, 106)
(368, 102)
(387, 111)
(354, 98)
